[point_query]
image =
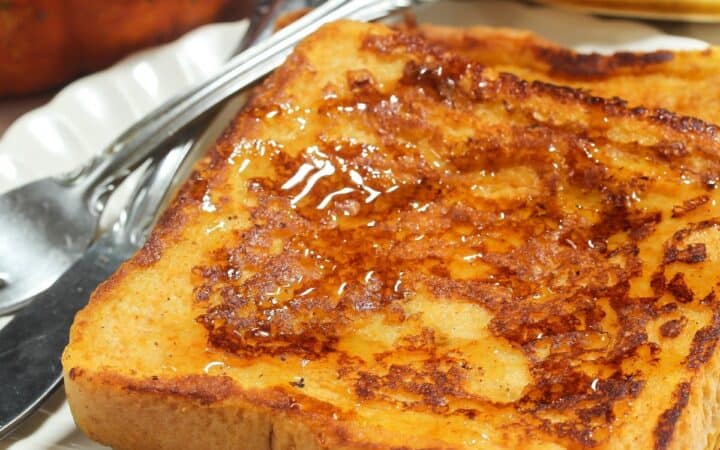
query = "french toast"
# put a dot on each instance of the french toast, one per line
(395, 247)
(683, 82)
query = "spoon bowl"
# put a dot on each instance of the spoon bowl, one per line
(44, 227)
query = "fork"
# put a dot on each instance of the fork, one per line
(31, 344)
(35, 251)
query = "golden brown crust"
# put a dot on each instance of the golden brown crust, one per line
(531, 51)
(507, 257)
(664, 431)
(129, 419)
(279, 420)
(684, 82)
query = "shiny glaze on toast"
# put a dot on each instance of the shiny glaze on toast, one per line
(404, 248)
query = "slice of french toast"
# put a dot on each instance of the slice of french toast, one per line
(394, 247)
(686, 83)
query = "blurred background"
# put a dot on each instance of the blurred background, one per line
(44, 43)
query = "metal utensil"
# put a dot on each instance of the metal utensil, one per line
(85, 193)
(31, 344)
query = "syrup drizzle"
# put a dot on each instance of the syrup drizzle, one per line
(533, 219)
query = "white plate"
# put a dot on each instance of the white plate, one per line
(89, 113)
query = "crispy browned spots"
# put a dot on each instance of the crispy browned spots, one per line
(150, 252)
(704, 343)
(361, 81)
(666, 423)
(672, 328)
(75, 372)
(679, 288)
(387, 222)
(566, 63)
(532, 51)
(693, 253)
(689, 205)
(203, 389)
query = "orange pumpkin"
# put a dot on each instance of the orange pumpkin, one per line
(44, 43)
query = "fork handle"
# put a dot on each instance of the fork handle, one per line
(140, 140)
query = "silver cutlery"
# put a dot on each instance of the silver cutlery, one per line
(34, 252)
(31, 344)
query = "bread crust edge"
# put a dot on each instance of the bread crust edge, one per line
(112, 415)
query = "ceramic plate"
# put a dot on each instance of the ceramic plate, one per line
(89, 113)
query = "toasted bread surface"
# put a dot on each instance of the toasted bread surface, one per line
(394, 246)
(683, 82)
